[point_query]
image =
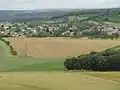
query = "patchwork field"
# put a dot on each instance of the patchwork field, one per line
(25, 73)
(54, 81)
(58, 47)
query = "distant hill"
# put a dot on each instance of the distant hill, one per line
(9, 15)
(38, 14)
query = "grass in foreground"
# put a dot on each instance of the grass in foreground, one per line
(114, 76)
(54, 81)
(4, 49)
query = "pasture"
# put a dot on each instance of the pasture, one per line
(58, 47)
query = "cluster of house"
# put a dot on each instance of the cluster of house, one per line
(9, 29)
(22, 29)
(109, 29)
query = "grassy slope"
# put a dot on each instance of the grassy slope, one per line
(4, 49)
(10, 63)
(49, 65)
(54, 81)
(114, 76)
(28, 64)
(47, 80)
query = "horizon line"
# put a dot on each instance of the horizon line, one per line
(57, 9)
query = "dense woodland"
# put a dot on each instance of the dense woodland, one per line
(108, 60)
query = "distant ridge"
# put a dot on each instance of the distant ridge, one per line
(15, 15)
(38, 14)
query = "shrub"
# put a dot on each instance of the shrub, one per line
(70, 63)
(7, 42)
(93, 52)
(11, 48)
(14, 52)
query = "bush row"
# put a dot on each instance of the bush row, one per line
(108, 60)
(13, 52)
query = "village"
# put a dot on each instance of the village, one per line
(9, 29)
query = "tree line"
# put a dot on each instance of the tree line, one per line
(108, 60)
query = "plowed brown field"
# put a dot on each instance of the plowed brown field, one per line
(58, 47)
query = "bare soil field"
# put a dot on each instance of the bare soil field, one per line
(58, 47)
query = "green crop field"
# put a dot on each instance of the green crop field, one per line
(26, 73)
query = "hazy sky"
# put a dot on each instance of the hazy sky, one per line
(46, 4)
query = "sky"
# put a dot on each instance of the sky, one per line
(53, 4)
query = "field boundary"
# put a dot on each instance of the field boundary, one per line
(7, 47)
